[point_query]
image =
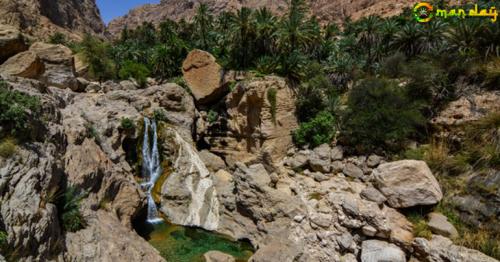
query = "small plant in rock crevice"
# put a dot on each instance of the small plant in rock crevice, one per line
(127, 124)
(272, 99)
(71, 217)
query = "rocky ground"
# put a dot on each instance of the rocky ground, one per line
(238, 174)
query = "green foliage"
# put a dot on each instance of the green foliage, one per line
(393, 66)
(380, 115)
(3, 240)
(160, 116)
(58, 38)
(131, 69)
(98, 55)
(7, 147)
(127, 124)
(212, 116)
(272, 99)
(20, 113)
(72, 219)
(420, 227)
(93, 133)
(319, 130)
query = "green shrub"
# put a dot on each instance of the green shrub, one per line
(420, 227)
(212, 116)
(159, 115)
(380, 115)
(7, 147)
(72, 219)
(20, 113)
(127, 124)
(3, 240)
(134, 70)
(58, 38)
(393, 65)
(97, 54)
(272, 99)
(314, 96)
(321, 129)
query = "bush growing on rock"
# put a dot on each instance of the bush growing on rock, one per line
(131, 69)
(319, 130)
(19, 112)
(380, 114)
(7, 147)
(72, 219)
(127, 124)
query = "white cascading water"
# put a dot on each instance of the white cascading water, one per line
(198, 190)
(151, 168)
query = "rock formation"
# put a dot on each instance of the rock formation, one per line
(42, 18)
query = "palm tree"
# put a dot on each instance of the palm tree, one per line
(203, 22)
(242, 30)
(293, 32)
(433, 36)
(407, 40)
(265, 26)
(490, 40)
(368, 36)
(464, 37)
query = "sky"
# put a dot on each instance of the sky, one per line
(114, 8)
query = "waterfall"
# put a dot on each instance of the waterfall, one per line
(151, 169)
(198, 188)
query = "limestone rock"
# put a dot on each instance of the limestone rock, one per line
(26, 64)
(42, 19)
(217, 256)
(319, 160)
(203, 76)
(337, 153)
(81, 67)
(253, 130)
(212, 161)
(276, 251)
(441, 249)
(11, 42)
(105, 239)
(352, 170)
(59, 64)
(380, 251)
(407, 183)
(438, 223)
(372, 194)
(467, 109)
(128, 85)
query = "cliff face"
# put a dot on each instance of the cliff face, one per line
(42, 18)
(325, 10)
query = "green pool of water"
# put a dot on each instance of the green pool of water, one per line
(186, 244)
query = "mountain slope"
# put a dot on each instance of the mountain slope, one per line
(42, 18)
(325, 10)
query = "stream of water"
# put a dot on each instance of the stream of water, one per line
(151, 169)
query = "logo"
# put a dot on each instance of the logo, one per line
(423, 12)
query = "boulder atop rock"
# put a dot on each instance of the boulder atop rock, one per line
(379, 251)
(26, 64)
(217, 256)
(407, 183)
(54, 54)
(203, 76)
(11, 42)
(438, 223)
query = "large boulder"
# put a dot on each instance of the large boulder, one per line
(256, 127)
(11, 42)
(381, 251)
(59, 64)
(407, 183)
(26, 64)
(203, 76)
